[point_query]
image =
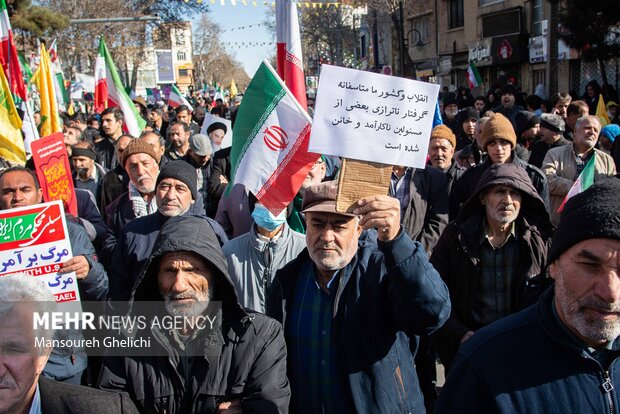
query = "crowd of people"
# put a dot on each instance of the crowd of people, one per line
(476, 261)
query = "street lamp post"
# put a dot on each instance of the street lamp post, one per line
(419, 43)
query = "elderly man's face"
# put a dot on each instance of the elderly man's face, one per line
(440, 151)
(217, 136)
(315, 175)
(586, 134)
(83, 165)
(18, 189)
(331, 239)
(173, 197)
(185, 282)
(142, 171)
(21, 363)
(587, 290)
(502, 203)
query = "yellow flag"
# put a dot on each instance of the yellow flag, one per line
(44, 81)
(233, 89)
(601, 112)
(11, 141)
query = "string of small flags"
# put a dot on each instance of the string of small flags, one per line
(234, 29)
(239, 45)
(255, 3)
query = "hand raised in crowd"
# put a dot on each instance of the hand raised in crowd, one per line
(77, 264)
(381, 212)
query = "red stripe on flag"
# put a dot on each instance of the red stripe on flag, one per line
(101, 95)
(286, 180)
(295, 80)
(280, 58)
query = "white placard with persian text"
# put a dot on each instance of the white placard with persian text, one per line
(372, 117)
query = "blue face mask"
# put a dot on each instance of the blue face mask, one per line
(265, 219)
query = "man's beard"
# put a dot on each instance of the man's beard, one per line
(82, 172)
(574, 311)
(197, 307)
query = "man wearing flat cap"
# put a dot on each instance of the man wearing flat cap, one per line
(560, 355)
(351, 307)
(551, 136)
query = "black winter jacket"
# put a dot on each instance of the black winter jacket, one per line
(244, 357)
(388, 295)
(528, 364)
(426, 214)
(457, 258)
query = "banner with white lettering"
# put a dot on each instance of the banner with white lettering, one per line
(35, 240)
(372, 117)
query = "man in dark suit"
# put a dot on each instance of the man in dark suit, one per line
(22, 389)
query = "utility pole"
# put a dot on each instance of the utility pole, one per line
(401, 38)
(552, 47)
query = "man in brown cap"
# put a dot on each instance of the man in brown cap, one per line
(498, 140)
(351, 308)
(441, 152)
(142, 165)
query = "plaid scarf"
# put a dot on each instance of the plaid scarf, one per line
(139, 206)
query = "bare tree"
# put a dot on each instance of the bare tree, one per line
(212, 63)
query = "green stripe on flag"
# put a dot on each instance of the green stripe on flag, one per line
(261, 97)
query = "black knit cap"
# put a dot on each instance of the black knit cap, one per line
(593, 214)
(182, 171)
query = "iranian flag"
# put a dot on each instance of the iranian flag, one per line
(585, 180)
(62, 95)
(110, 93)
(177, 99)
(473, 77)
(8, 56)
(269, 152)
(288, 44)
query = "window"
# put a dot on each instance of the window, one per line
(455, 14)
(181, 55)
(183, 72)
(537, 15)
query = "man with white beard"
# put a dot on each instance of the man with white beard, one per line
(219, 358)
(492, 256)
(560, 355)
(142, 165)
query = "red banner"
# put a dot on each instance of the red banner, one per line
(53, 170)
